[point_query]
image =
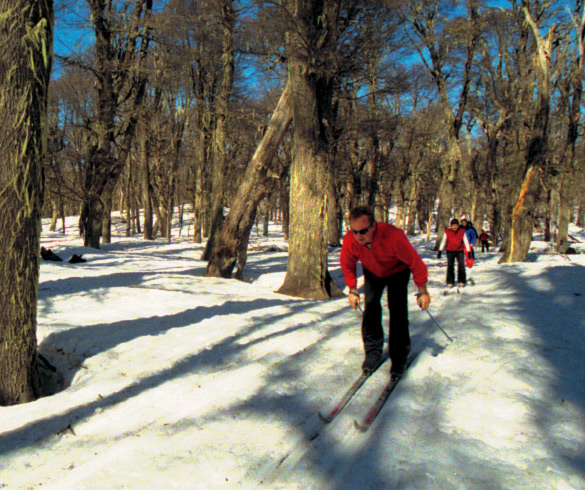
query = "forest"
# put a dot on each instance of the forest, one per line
(439, 108)
(224, 111)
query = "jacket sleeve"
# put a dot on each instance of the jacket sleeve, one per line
(408, 255)
(466, 243)
(443, 242)
(348, 263)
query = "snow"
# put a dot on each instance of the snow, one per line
(178, 381)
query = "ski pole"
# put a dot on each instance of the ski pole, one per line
(439, 326)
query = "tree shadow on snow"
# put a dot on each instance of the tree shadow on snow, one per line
(88, 341)
(220, 356)
(554, 306)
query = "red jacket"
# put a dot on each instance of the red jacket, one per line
(389, 253)
(454, 241)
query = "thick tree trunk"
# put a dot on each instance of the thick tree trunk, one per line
(232, 242)
(307, 275)
(26, 38)
(522, 219)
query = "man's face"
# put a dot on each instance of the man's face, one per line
(454, 226)
(362, 229)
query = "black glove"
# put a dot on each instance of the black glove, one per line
(439, 254)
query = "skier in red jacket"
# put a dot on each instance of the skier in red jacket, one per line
(455, 241)
(387, 259)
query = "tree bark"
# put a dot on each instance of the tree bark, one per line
(26, 38)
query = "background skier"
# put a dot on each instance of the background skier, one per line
(455, 241)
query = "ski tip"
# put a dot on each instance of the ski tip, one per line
(361, 427)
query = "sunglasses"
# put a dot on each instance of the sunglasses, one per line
(363, 231)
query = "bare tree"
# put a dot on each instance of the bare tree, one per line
(536, 153)
(227, 22)
(232, 243)
(439, 43)
(123, 35)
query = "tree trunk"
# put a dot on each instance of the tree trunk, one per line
(522, 219)
(145, 184)
(54, 214)
(447, 191)
(198, 204)
(107, 218)
(233, 239)
(26, 38)
(568, 162)
(333, 215)
(312, 91)
(412, 206)
(220, 161)
(580, 220)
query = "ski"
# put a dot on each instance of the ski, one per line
(377, 406)
(352, 390)
(456, 289)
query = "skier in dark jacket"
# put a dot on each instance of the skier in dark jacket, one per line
(471, 233)
(387, 259)
(484, 240)
(455, 241)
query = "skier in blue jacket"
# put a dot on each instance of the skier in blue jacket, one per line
(471, 235)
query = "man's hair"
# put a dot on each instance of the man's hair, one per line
(359, 211)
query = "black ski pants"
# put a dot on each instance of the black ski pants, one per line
(461, 275)
(372, 332)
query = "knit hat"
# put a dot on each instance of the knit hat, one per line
(454, 221)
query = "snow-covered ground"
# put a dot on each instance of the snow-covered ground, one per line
(177, 381)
